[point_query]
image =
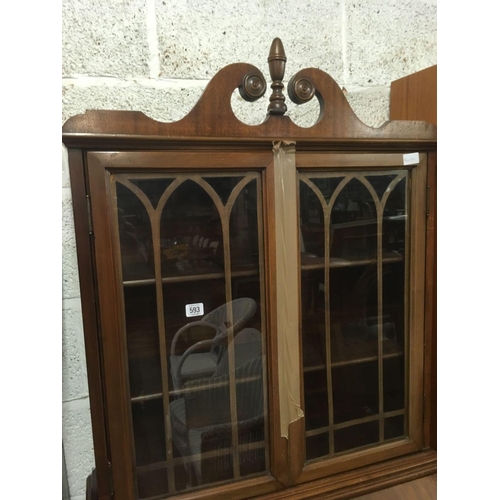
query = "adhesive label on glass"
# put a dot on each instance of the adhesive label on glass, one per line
(194, 310)
(411, 159)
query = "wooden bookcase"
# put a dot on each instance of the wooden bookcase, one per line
(255, 298)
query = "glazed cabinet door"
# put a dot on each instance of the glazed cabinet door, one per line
(361, 224)
(182, 291)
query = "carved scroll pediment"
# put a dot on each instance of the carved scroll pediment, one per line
(213, 117)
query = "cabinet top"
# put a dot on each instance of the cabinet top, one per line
(212, 120)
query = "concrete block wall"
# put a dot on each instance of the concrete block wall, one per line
(157, 56)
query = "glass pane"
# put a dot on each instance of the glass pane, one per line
(394, 384)
(244, 230)
(143, 346)
(380, 183)
(149, 432)
(356, 436)
(394, 427)
(326, 185)
(135, 236)
(191, 234)
(354, 224)
(199, 357)
(353, 308)
(316, 399)
(355, 391)
(353, 312)
(316, 446)
(153, 188)
(312, 227)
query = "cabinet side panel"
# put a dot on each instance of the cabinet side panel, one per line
(415, 97)
(430, 429)
(88, 298)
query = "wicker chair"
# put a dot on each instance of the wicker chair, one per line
(193, 364)
(201, 419)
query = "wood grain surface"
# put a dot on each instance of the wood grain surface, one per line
(424, 488)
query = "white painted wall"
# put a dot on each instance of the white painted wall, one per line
(156, 56)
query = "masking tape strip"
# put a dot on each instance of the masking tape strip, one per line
(287, 286)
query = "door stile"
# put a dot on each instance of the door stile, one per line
(418, 223)
(112, 322)
(283, 307)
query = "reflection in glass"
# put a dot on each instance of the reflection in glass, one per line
(192, 364)
(243, 229)
(135, 235)
(353, 308)
(191, 250)
(202, 419)
(191, 233)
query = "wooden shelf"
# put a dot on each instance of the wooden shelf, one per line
(348, 362)
(357, 421)
(312, 263)
(191, 277)
(181, 392)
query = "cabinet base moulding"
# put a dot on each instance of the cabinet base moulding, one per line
(342, 486)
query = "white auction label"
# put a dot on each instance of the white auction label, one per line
(411, 159)
(194, 310)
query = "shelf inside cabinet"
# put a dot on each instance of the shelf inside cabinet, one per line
(183, 392)
(309, 263)
(191, 277)
(349, 423)
(355, 361)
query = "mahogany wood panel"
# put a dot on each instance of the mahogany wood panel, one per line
(363, 480)
(336, 119)
(414, 97)
(347, 485)
(181, 160)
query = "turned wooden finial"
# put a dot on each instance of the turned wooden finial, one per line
(277, 63)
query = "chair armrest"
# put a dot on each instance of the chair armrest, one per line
(186, 328)
(196, 347)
